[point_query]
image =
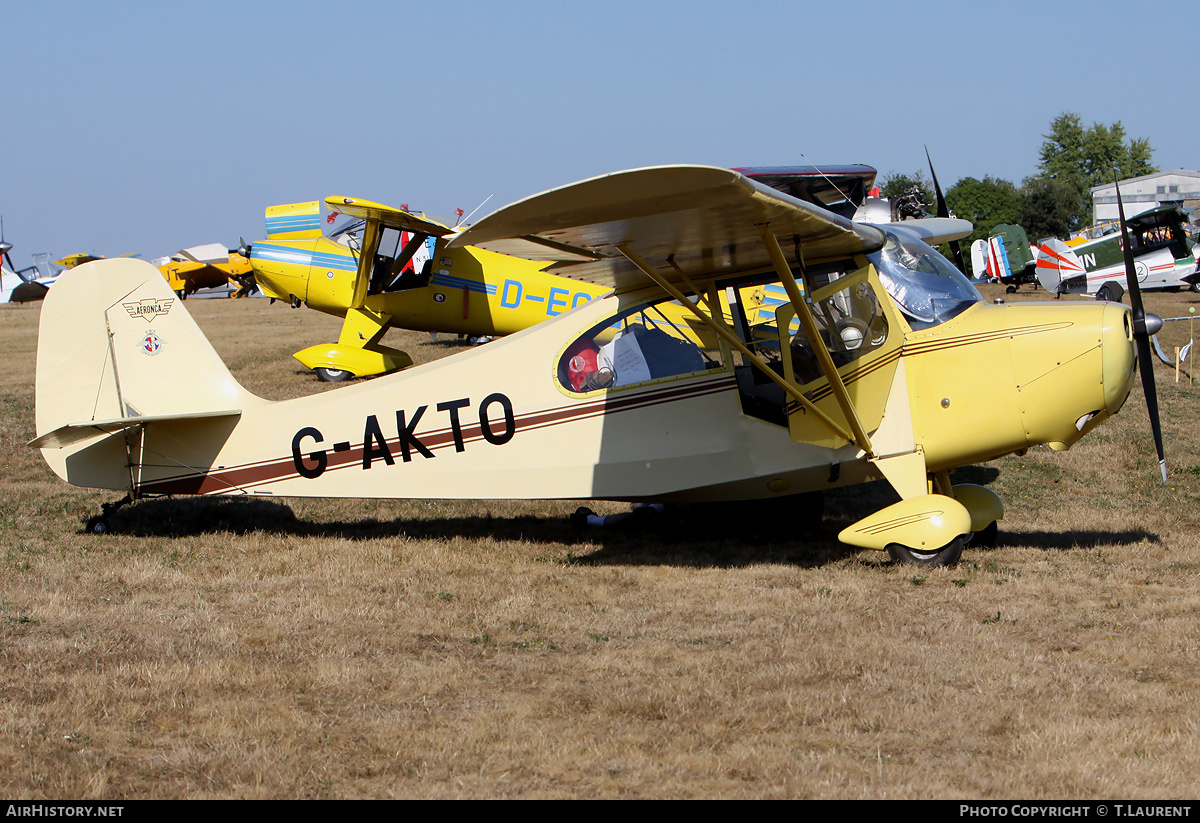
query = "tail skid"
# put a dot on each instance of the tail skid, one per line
(117, 352)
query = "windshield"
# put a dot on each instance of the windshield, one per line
(925, 285)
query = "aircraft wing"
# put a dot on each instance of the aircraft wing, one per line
(208, 253)
(703, 219)
(934, 230)
(386, 215)
(78, 259)
(841, 189)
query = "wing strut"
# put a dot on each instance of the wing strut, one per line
(719, 328)
(366, 259)
(810, 328)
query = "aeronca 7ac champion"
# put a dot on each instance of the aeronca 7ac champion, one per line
(391, 267)
(869, 372)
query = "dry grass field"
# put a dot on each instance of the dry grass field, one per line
(237, 648)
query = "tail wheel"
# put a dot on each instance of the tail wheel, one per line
(947, 555)
(332, 375)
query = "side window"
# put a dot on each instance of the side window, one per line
(648, 342)
(849, 322)
(401, 262)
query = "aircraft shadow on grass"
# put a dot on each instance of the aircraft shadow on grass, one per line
(725, 535)
(719, 536)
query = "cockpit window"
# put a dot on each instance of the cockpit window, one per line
(647, 342)
(402, 261)
(925, 285)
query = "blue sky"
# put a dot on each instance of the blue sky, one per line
(149, 127)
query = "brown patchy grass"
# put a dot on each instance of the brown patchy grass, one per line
(252, 649)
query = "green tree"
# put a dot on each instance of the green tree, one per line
(1061, 154)
(895, 183)
(1082, 158)
(986, 203)
(1049, 207)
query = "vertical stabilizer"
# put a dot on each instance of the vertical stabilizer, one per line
(1056, 263)
(294, 221)
(116, 349)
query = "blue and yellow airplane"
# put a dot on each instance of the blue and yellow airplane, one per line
(398, 272)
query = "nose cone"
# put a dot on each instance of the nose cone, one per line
(1119, 355)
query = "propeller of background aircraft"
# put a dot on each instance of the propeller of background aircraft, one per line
(1144, 325)
(944, 211)
(5, 247)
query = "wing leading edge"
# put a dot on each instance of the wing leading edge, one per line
(706, 221)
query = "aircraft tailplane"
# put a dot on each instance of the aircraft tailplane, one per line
(118, 351)
(1056, 263)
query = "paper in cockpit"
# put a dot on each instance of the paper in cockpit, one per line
(624, 356)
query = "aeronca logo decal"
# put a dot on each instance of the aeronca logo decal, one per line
(314, 451)
(148, 309)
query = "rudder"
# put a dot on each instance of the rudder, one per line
(116, 347)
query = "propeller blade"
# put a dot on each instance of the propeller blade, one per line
(944, 211)
(1141, 334)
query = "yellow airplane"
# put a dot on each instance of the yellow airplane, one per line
(400, 273)
(881, 382)
(413, 276)
(77, 259)
(203, 267)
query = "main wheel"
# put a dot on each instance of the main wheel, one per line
(1010, 290)
(1195, 287)
(1111, 292)
(332, 375)
(947, 555)
(97, 524)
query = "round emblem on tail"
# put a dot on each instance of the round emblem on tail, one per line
(152, 344)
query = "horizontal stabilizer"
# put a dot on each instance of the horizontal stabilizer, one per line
(73, 433)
